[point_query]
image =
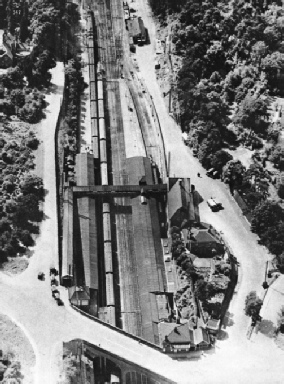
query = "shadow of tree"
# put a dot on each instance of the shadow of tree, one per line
(222, 335)
(267, 328)
(228, 319)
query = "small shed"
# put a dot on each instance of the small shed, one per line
(80, 298)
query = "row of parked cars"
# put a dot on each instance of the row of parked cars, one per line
(53, 283)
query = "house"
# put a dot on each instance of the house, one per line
(186, 338)
(204, 244)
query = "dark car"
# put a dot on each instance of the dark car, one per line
(60, 302)
(41, 276)
(55, 293)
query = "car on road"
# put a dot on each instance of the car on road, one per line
(214, 205)
(60, 302)
(213, 173)
(41, 276)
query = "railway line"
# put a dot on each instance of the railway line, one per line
(118, 258)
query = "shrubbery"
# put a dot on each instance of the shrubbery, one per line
(21, 196)
(268, 223)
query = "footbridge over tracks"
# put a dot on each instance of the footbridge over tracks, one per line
(120, 190)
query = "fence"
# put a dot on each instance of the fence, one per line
(241, 203)
(58, 178)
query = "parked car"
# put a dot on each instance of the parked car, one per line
(55, 293)
(213, 205)
(41, 276)
(213, 173)
(53, 271)
(60, 302)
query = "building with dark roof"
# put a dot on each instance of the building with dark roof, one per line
(202, 243)
(186, 338)
(183, 203)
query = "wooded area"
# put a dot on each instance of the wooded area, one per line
(233, 63)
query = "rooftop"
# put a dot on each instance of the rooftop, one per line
(213, 324)
(203, 236)
(199, 262)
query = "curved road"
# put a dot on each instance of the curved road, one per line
(259, 359)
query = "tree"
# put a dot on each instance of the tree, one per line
(251, 110)
(32, 184)
(280, 262)
(17, 97)
(25, 238)
(273, 238)
(280, 321)
(233, 172)
(280, 190)
(266, 214)
(13, 78)
(204, 291)
(258, 51)
(252, 199)
(277, 156)
(253, 305)
(220, 158)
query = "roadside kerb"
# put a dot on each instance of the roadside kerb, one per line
(136, 338)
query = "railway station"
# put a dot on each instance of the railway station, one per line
(115, 208)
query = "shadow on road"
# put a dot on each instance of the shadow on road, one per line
(266, 327)
(228, 319)
(222, 335)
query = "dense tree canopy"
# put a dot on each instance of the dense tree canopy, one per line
(253, 305)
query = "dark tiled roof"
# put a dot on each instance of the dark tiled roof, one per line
(185, 334)
(203, 236)
(181, 335)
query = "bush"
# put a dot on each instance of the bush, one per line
(280, 191)
(266, 214)
(253, 305)
(220, 159)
